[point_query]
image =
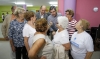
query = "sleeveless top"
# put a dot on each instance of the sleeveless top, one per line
(47, 50)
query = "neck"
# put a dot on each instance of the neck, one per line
(60, 29)
(31, 24)
(80, 31)
(41, 33)
(20, 20)
(70, 19)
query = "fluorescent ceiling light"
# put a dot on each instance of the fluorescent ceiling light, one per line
(29, 5)
(53, 2)
(19, 3)
(54, 5)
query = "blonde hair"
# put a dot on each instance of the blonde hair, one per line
(63, 21)
(18, 10)
(85, 24)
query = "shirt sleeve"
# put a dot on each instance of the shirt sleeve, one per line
(89, 43)
(11, 31)
(64, 39)
(4, 27)
(25, 32)
(49, 22)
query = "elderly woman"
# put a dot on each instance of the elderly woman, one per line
(61, 39)
(16, 35)
(29, 29)
(81, 41)
(42, 47)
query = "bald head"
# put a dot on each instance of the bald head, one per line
(42, 9)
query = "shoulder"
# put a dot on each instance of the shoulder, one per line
(37, 13)
(59, 14)
(26, 26)
(50, 16)
(87, 35)
(74, 21)
(39, 36)
(13, 21)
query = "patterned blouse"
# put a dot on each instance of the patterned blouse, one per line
(15, 33)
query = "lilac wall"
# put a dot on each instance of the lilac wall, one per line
(70, 4)
(84, 9)
(25, 7)
(63, 5)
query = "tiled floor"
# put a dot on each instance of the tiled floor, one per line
(0, 31)
(5, 50)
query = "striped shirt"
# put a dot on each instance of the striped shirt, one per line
(71, 27)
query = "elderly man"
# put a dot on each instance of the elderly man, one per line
(41, 13)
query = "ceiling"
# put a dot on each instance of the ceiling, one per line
(33, 2)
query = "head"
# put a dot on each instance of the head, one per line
(19, 12)
(2, 13)
(42, 9)
(30, 16)
(7, 13)
(41, 25)
(62, 22)
(13, 8)
(82, 24)
(53, 11)
(69, 13)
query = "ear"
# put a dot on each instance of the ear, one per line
(31, 18)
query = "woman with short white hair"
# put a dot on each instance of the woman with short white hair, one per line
(15, 33)
(61, 39)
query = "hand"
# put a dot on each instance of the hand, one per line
(43, 57)
(53, 33)
(13, 48)
(50, 23)
(6, 38)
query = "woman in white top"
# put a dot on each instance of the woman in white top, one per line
(81, 41)
(61, 39)
(41, 49)
(29, 29)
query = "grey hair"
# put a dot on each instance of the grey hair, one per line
(18, 10)
(63, 21)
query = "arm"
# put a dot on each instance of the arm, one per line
(37, 46)
(4, 27)
(26, 43)
(89, 47)
(12, 45)
(88, 55)
(10, 35)
(65, 41)
(26, 37)
(67, 46)
(49, 21)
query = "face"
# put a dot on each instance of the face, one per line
(68, 15)
(33, 19)
(58, 25)
(53, 12)
(78, 25)
(13, 9)
(42, 10)
(21, 15)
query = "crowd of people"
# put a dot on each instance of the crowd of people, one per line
(49, 35)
